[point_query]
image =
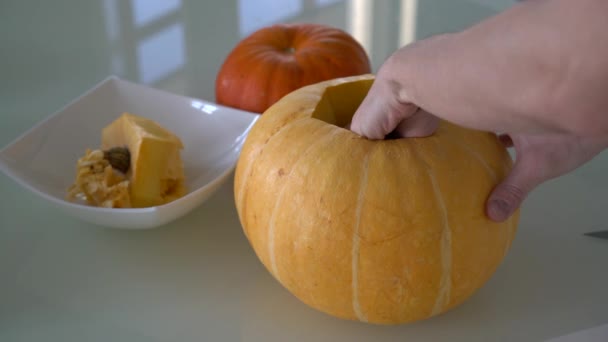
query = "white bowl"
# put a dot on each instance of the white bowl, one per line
(43, 159)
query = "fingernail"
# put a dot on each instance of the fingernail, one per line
(499, 210)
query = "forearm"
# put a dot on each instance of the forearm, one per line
(542, 65)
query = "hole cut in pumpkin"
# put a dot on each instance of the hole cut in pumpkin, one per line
(339, 103)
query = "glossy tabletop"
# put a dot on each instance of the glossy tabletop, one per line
(197, 279)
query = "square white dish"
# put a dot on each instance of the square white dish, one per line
(43, 159)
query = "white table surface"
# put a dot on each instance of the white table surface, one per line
(197, 279)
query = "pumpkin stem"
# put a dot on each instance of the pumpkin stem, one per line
(290, 50)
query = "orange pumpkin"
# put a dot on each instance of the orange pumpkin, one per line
(386, 232)
(276, 60)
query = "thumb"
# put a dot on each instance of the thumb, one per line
(420, 124)
(381, 111)
(509, 195)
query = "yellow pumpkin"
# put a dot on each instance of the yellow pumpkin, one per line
(384, 232)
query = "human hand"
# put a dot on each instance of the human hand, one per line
(539, 158)
(508, 74)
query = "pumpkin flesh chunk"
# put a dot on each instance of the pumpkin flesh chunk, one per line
(156, 169)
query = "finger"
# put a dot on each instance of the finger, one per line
(380, 112)
(421, 124)
(509, 195)
(506, 140)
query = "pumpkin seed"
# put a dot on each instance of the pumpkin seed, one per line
(119, 158)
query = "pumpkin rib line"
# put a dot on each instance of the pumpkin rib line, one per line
(446, 251)
(249, 167)
(492, 174)
(244, 190)
(357, 241)
(477, 157)
(511, 228)
(271, 228)
(446, 241)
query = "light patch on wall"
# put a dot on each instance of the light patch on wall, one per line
(409, 13)
(361, 21)
(146, 11)
(117, 63)
(112, 19)
(161, 54)
(255, 14)
(323, 3)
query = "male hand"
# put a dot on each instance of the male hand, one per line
(538, 71)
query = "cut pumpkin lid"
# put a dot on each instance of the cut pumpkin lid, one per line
(152, 128)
